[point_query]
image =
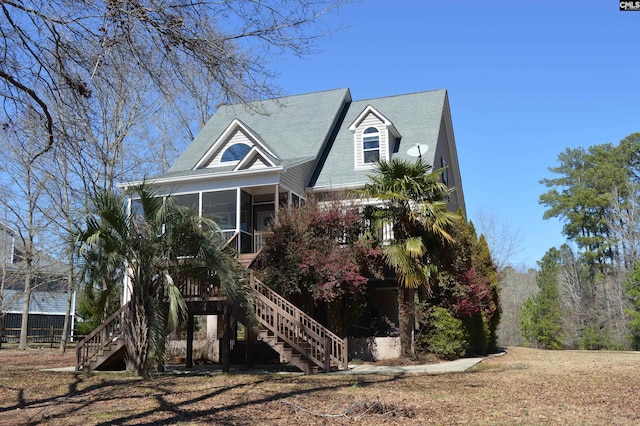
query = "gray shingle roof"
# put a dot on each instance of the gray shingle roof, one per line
(417, 118)
(293, 127)
(42, 302)
(297, 128)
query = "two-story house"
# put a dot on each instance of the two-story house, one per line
(250, 159)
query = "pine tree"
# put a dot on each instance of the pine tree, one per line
(633, 290)
(541, 314)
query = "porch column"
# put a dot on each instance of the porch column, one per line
(276, 205)
(238, 219)
(226, 340)
(212, 335)
(248, 355)
(189, 361)
(127, 289)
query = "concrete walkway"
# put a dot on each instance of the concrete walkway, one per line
(457, 366)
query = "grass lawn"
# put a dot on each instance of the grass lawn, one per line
(525, 386)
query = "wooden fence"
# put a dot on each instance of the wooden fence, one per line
(49, 335)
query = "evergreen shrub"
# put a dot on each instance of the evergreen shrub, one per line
(445, 335)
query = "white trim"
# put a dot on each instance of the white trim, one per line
(377, 135)
(179, 179)
(330, 187)
(222, 139)
(238, 209)
(369, 109)
(358, 147)
(253, 152)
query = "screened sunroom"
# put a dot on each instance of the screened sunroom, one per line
(245, 212)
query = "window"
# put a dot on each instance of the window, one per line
(371, 145)
(445, 173)
(191, 201)
(235, 152)
(396, 145)
(221, 206)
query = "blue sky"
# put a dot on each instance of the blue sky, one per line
(525, 80)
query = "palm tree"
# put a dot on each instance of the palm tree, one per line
(414, 201)
(153, 247)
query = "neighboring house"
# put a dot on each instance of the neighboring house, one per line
(250, 159)
(48, 302)
(47, 309)
(9, 252)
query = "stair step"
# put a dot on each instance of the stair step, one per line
(247, 259)
(105, 355)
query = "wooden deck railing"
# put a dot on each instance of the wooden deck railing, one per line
(298, 329)
(202, 288)
(107, 332)
(258, 240)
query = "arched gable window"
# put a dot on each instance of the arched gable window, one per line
(235, 152)
(371, 145)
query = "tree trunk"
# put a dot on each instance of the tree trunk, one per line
(136, 338)
(226, 340)
(24, 328)
(405, 320)
(189, 358)
(67, 314)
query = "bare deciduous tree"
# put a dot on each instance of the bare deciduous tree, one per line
(516, 286)
(52, 47)
(24, 203)
(504, 242)
(624, 224)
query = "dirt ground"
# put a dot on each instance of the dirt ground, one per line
(525, 386)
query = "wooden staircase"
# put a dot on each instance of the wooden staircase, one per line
(104, 346)
(247, 259)
(298, 338)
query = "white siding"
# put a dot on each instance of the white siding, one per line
(238, 137)
(371, 120)
(218, 183)
(297, 177)
(256, 163)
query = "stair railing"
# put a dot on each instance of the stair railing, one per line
(107, 332)
(232, 241)
(297, 329)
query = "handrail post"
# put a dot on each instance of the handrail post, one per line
(327, 354)
(345, 354)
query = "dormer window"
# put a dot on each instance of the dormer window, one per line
(235, 152)
(371, 145)
(374, 138)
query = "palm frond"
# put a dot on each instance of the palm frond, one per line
(177, 305)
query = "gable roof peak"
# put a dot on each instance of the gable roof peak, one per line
(369, 109)
(233, 127)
